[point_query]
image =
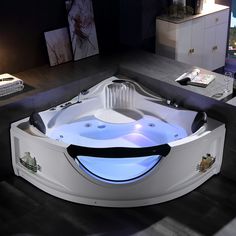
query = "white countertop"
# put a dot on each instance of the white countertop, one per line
(207, 9)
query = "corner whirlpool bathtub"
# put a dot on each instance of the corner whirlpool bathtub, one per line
(117, 145)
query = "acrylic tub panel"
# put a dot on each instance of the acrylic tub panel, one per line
(174, 176)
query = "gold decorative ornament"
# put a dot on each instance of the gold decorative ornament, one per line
(206, 163)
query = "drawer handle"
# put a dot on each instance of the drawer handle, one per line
(191, 50)
(217, 19)
(214, 48)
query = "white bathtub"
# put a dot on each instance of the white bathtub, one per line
(117, 145)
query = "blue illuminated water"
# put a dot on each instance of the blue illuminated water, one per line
(92, 132)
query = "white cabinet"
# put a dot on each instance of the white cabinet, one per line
(215, 39)
(189, 46)
(198, 40)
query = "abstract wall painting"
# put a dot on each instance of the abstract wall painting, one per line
(82, 28)
(58, 46)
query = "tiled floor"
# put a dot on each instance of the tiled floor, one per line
(208, 210)
(166, 227)
(228, 230)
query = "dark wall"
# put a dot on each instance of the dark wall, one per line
(23, 24)
(137, 22)
(107, 13)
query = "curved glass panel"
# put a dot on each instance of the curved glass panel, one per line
(117, 169)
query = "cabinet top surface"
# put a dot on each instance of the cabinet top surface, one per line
(68, 76)
(213, 8)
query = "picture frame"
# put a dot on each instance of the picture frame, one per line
(58, 46)
(82, 28)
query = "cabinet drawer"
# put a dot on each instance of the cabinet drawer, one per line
(216, 18)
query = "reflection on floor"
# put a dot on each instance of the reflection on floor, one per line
(230, 65)
(166, 227)
(208, 210)
(228, 230)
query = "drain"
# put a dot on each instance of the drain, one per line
(151, 125)
(101, 126)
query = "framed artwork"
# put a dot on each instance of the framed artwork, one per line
(58, 46)
(82, 28)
